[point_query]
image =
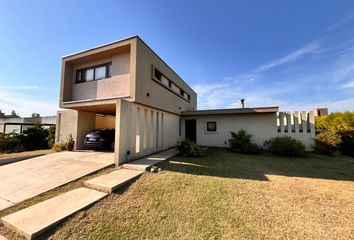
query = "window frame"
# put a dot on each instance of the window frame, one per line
(170, 83)
(216, 126)
(82, 73)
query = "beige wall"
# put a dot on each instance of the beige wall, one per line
(104, 121)
(261, 126)
(142, 130)
(116, 86)
(77, 123)
(66, 124)
(159, 96)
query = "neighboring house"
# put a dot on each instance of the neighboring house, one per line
(125, 85)
(15, 124)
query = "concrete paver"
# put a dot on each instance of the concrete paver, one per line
(144, 163)
(33, 221)
(113, 180)
(29, 178)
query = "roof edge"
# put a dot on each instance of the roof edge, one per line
(227, 111)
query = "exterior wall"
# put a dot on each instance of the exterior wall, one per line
(298, 125)
(159, 94)
(142, 130)
(115, 86)
(77, 123)
(261, 126)
(67, 121)
(103, 121)
(17, 128)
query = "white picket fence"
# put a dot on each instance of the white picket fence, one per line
(299, 125)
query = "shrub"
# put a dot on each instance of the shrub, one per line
(190, 149)
(241, 142)
(347, 144)
(335, 132)
(327, 142)
(51, 136)
(35, 138)
(10, 142)
(285, 146)
(58, 147)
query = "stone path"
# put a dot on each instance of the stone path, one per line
(145, 163)
(112, 181)
(32, 221)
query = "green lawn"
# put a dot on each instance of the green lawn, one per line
(227, 196)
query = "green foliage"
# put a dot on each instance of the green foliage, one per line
(70, 141)
(335, 132)
(59, 147)
(285, 146)
(190, 149)
(10, 142)
(240, 142)
(35, 138)
(51, 136)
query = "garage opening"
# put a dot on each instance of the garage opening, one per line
(102, 137)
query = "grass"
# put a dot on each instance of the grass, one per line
(224, 195)
(26, 153)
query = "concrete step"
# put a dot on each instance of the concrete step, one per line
(33, 221)
(145, 163)
(113, 180)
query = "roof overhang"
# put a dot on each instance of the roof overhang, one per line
(231, 111)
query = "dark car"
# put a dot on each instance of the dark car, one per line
(100, 139)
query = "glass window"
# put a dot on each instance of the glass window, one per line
(89, 75)
(211, 126)
(109, 72)
(100, 72)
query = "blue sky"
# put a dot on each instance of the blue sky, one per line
(295, 54)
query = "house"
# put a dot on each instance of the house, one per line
(16, 124)
(125, 85)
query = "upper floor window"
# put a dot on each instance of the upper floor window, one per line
(93, 73)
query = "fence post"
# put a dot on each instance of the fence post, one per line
(304, 121)
(281, 122)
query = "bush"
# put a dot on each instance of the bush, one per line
(347, 144)
(327, 142)
(240, 142)
(35, 138)
(59, 147)
(335, 132)
(190, 149)
(10, 142)
(285, 146)
(51, 136)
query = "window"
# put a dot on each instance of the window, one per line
(158, 74)
(211, 126)
(94, 73)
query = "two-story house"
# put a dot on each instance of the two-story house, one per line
(125, 85)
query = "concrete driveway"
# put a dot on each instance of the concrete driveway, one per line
(22, 180)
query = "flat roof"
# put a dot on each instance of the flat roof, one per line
(229, 111)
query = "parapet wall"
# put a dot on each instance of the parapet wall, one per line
(299, 125)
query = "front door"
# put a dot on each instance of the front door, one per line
(191, 129)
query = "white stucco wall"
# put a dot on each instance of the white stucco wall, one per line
(261, 126)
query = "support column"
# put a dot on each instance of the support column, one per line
(122, 149)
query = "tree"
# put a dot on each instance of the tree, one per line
(14, 114)
(36, 115)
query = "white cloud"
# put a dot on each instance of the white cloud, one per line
(348, 85)
(25, 104)
(291, 57)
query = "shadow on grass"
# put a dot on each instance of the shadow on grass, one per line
(221, 162)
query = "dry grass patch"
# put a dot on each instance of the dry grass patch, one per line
(26, 153)
(227, 196)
